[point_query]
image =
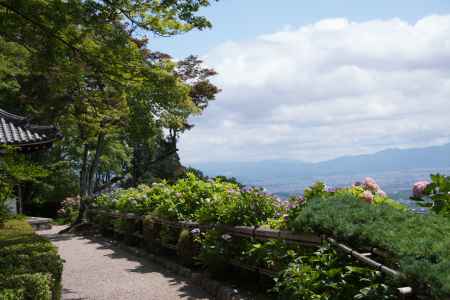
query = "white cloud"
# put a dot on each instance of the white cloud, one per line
(327, 89)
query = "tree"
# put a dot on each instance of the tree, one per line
(15, 171)
(151, 146)
(85, 66)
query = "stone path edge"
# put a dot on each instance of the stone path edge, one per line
(213, 287)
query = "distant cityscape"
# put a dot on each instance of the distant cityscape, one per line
(395, 170)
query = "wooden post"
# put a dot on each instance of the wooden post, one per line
(19, 200)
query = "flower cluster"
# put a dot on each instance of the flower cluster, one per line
(69, 209)
(419, 188)
(371, 189)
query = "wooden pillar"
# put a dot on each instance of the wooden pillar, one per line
(19, 200)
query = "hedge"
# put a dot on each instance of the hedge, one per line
(30, 267)
(418, 245)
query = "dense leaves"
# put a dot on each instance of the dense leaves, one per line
(434, 195)
(86, 67)
(324, 276)
(208, 202)
(418, 244)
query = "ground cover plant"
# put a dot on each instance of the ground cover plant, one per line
(30, 267)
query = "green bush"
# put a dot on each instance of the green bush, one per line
(212, 202)
(215, 251)
(419, 244)
(234, 207)
(5, 194)
(12, 294)
(274, 255)
(436, 194)
(69, 210)
(324, 276)
(35, 286)
(29, 260)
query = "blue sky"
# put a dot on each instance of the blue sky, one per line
(245, 19)
(314, 80)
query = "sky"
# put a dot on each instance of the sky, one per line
(314, 80)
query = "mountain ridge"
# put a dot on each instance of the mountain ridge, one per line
(392, 159)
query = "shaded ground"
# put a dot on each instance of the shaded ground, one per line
(97, 270)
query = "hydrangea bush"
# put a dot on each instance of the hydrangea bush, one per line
(434, 195)
(69, 209)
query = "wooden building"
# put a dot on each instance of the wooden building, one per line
(19, 133)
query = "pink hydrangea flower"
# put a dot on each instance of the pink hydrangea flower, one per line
(370, 184)
(381, 193)
(419, 188)
(367, 196)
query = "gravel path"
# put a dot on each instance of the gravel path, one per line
(97, 270)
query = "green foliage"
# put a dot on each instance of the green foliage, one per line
(86, 66)
(438, 192)
(69, 210)
(26, 286)
(12, 294)
(5, 194)
(234, 207)
(317, 190)
(214, 251)
(141, 200)
(212, 202)
(29, 263)
(16, 169)
(322, 275)
(272, 255)
(325, 276)
(418, 244)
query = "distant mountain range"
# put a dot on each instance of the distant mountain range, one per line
(434, 157)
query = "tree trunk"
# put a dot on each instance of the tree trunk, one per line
(87, 178)
(83, 173)
(95, 163)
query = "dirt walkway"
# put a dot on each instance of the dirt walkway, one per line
(100, 271)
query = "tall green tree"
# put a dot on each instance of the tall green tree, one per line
(84, 65)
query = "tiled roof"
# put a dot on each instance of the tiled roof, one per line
(15, 130)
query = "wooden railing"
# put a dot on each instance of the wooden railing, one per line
(305, 239)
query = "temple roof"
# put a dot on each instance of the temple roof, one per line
(17, 131)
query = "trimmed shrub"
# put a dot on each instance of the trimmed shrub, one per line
(35, 286)
(418, 244)
(12, 294)
(29, 264)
